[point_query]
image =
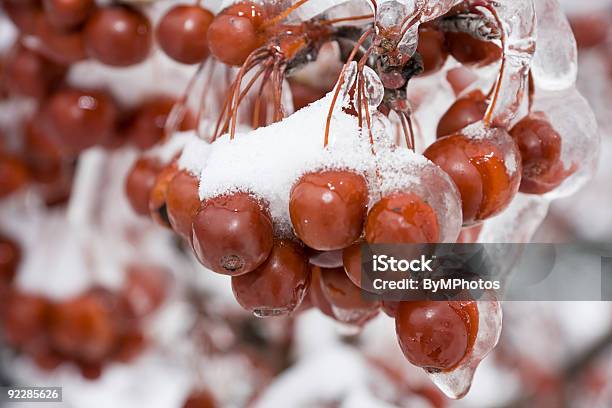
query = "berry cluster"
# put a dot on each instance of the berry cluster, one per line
(89, 330)
(71, 31)
(375, 175)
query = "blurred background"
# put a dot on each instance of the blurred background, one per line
(164, 334)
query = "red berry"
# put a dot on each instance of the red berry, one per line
(10, 256)
(145, 288)
(328, 208)
(63, 47)
(183, 202)
(232, 234)
(13, 175)
(471, 51)
(118, 36)
(402, 218)
(130, 345)
(278, 286)
(43, 152)
(200, 399)
(436, 335)
(304, 94)
(234, 33)
(80, 118)
(147, 124)
(182, 33)
(68, 14)
(351, 260)
(540, 147)
(25, 14)
(316, 295)
(464, 111)
(591, 30)
(157, 197)
(460, 78)
(478, 167)
(84, 328)
(140, 182)
(347, 301)
(24, 318)
(28, 73)
(432, 48)
(390, 308)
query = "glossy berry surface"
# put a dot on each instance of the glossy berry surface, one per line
(140, 182)
(464, 111)
(80, 118)
(477, 166)
(183, 202)
(431, 48)
(234, 33)
(118, 36)
(316, 296)
(232, 234)
(182, 33)
(347, 301)
(402, 217)
(471, 51)
(328, 208)
(68, 14)
(278, 286)
(157, 198)
(351, 261)
(436, 335)
(540, 147)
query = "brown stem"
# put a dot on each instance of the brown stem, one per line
(358, 45)
(280, 17)
(257, 107)
(345, 19)
(488, 118)
(531, 91)
(202, 107)
(241, 96)
(180, 107)
(250, 62)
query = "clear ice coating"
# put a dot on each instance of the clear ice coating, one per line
(402, 17)
(555, 65)
(518, 21)
(571, 116)
(403, 170)
(348, 80)
(457, 382)
(373, 87)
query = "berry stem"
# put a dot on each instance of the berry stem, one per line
(280, 17)
(346, 19)
(358, 45)
(178, 111)
(202, 107)
(488, 118)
